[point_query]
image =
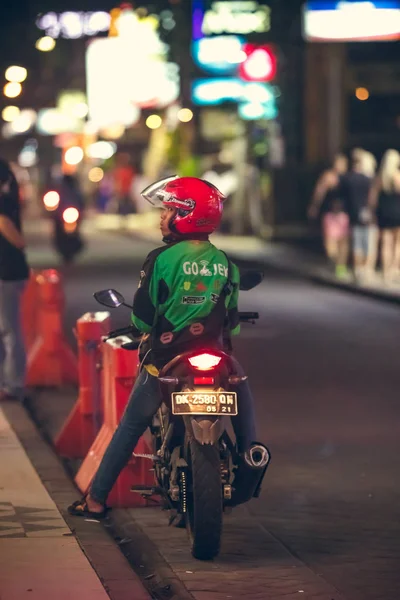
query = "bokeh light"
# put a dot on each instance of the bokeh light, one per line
(12, 89)
(71, 215)
(96, 175)
(74, 155)
(45, 44)
(185, 115)
(362, 93)
(153, 121)
(16, 74)
(51, 200)
(80, 110)
(10, 113)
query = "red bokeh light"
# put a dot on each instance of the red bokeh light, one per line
(260, 64)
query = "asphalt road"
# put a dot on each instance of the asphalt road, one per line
(324, 368)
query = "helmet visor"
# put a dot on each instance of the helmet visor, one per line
(155, 193)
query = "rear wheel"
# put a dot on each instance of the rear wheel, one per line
(204, 511)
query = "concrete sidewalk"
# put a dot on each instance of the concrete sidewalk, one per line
(41, 555)
(285, 257)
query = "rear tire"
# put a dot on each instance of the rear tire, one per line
(204, 499)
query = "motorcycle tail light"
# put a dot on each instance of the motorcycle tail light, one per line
(205, 362)
(203, 380)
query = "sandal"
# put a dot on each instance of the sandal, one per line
(80, 509)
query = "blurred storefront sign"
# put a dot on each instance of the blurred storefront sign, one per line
(237, 17)
(220, 124)
(212, 92)
(219, 55)
(74, 25)
(52, 121)
(128, 72)
(73, 103)
(352, 20)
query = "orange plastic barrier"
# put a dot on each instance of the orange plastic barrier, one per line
(85, 419)
(51, 361)
(29, 310)
(119, 369)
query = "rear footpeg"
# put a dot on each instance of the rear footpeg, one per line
(152, 457)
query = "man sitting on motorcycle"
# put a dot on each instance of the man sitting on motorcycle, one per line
(187, 297)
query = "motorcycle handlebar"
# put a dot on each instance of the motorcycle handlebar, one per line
(131, 330)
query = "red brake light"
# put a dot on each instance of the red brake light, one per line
(203, 380)
(204, 362)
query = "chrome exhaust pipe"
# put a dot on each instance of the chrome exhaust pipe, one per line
(257, 457)
(249, 474)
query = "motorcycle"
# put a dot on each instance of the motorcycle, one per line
(199, 473)
(67, 237)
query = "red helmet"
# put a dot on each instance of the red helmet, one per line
(199, 203)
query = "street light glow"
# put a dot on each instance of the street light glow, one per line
(16, 74)
(362, 93)
(153, 121)
(74, 155)
(10, 113)
(185, 115)
(96, 175)
(12, 89)
(80, 110)
(45, 44)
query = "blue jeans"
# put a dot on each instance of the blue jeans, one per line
(12, 349)
(143, 403)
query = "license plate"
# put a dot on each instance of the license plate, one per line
(204, 403)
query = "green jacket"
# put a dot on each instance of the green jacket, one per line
(178, 296)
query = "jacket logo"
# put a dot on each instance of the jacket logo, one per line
(196, 329)
(205, 271)
(194, 268)
(193, 299)
(166, 338)
(214, 298)
(187, 285)
(200, 287)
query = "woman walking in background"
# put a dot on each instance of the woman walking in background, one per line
(385, 195)
(327, 200)
(355, 189)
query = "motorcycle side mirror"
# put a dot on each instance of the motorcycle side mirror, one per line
(250, 280)
(109, 298)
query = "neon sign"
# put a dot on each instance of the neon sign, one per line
(235, 17)
(340, 21)
(74, 25)
(219, 55)
(252, 97)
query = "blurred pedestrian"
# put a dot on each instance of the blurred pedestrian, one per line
(336, 231)
(14, 273)
(327, 202)
(123, 180)
(355, 190)
(385, 196)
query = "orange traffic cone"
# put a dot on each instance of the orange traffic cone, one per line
(85, 419)
(51, 361)
(119, 369)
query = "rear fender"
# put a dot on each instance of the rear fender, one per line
(205, 430)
